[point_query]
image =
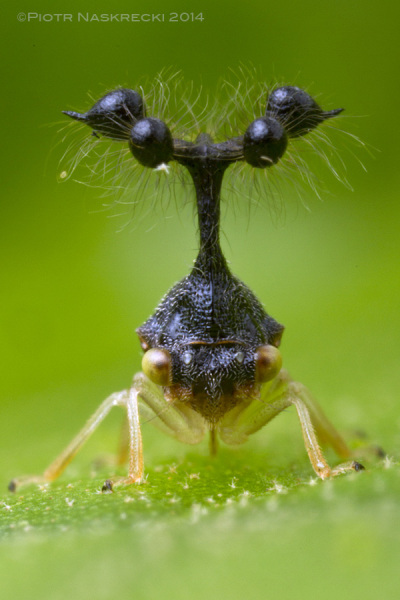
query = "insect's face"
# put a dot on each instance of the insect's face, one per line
(212, 377)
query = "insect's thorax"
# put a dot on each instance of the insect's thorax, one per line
(210, 322)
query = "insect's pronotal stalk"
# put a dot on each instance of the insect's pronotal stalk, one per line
(207, 181)
(207, 163)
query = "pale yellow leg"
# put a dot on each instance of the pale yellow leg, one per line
(58, 465)
(325, 431)
(276, 396)
(177, 420)
(306, 410)
(135, 473)
(145, 398)
(253, 414)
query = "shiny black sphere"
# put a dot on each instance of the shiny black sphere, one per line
(151, 142)
(264, 142)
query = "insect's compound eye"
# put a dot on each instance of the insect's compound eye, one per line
(296, 110)
(151, 142)
(157, 365)
(268, 363)
(114, 114)
(264, 142)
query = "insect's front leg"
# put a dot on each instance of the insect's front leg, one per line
(276, 396)
(175, 419)
(313, 422)
(143, 398)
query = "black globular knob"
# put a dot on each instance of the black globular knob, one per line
(296, 110)
(264, 142)
(114, 114)
(151, 142)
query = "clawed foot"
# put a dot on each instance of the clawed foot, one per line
(19, 482)
(327, 472)
(110, 484)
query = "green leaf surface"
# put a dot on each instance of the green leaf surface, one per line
(226, 527)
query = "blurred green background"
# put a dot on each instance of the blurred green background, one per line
(77, 280)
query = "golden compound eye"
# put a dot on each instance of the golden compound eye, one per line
(157, 365)
(268, 363)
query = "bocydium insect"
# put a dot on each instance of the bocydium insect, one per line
(211, 362)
